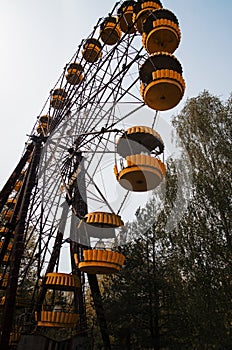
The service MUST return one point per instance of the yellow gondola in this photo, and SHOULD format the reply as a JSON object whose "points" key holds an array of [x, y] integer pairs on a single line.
{"points": [[8, 248], [92, 50], [142, 10], [141, 173], [8, 214], [2, 300], [11, 203], [4, 280], [45, 118], [110, 32], [62, 281], [125, 17], [19, 182], [43, 126], [139, 139], [18, 185], [97, 261], [100, 260], [103, 219], [161, 32], [58, 317], [99, 225], [74, 75], [162, 85], [3, 231], [6, 256], [58, 98]]}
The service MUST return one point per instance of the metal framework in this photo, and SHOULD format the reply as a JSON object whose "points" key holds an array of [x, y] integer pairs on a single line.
{"points": [[70, 173], [57, 193]]}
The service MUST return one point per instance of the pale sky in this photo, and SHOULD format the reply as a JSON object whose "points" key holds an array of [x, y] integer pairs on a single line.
{"points": [[38, 38]]}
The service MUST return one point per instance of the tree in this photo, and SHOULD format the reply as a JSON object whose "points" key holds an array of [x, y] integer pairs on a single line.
{"points": [[175, 289], [204, 125]]}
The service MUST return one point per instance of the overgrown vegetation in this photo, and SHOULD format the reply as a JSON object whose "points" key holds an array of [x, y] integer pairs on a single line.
{"points": [[175, 289]]}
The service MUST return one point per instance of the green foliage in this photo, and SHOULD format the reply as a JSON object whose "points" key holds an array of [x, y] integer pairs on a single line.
{"points": [[175, 289]]}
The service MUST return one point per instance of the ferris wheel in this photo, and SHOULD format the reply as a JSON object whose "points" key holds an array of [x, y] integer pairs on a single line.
{"points": [[92, 157]]}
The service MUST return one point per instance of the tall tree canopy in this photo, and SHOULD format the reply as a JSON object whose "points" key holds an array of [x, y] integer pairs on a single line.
{"points": [[175, 289]]}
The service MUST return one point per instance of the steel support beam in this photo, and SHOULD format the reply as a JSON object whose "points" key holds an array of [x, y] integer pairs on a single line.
{"points": [[18, 247]]}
